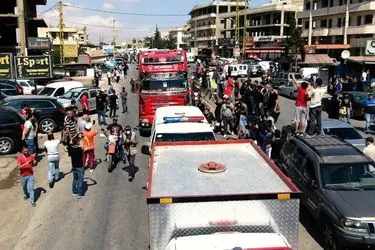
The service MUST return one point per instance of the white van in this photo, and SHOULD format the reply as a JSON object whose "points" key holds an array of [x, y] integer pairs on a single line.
{"points": [[180, 123], [59, 88], [240, 70], [308, 71]]}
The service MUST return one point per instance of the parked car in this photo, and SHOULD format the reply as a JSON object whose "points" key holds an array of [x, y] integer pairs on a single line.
{"points": [[59, 88], [2, 96], [255, 70], [28, 86], [50, 113], [337, 182], [282, 78], [76, 94], [11, 126], [289, 90], [10, 87], [344, 131], [331, 104]]}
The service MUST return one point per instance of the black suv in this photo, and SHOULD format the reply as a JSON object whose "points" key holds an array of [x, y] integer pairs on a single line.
{"points": [[11, 126], [50, 113], [338, 185]]}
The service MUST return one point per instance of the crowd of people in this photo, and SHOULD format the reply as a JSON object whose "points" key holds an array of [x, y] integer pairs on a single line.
{"points": [[78, 137]]}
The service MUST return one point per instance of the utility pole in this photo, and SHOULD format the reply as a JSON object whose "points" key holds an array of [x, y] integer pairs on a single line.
{"points": [[346, 22], [21, 27], [309, 40], [61, 27], [237, 25], [114, 33]]}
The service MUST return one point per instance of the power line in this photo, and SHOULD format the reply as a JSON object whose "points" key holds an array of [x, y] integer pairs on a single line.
{"points": [[125, 13], [48, 10], [119, 27]]}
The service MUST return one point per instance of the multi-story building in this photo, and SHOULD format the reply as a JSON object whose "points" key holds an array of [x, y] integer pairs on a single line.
{"points": [[74, 38], [261, 30], [181, 36], [331, 26], [205, 25], [9, 23]]}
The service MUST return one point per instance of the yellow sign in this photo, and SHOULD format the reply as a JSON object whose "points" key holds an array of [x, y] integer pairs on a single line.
{"points": [[70, 51]]}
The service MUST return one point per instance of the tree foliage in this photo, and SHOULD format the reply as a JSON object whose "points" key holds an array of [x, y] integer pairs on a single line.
{"points": [[158, 42], [294, 43]]}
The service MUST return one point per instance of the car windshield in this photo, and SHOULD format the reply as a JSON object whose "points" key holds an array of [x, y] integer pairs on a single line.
{"points": [[298, 77], [203, 136], [47, 91], [356, 176], [71, 95], [360, 96], [163, 85], [343, 133]]}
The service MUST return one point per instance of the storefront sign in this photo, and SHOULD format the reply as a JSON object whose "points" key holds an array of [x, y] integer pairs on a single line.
{"points": [[6, 62], [39, 43], [33, 67], [70, 51], [370, 47], [265, 39], [226, 42]]}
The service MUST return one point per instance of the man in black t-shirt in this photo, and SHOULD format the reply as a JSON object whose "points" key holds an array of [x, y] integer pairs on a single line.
{"points": [[76, 154], [277, 145], [114, 128], [101, 104]]}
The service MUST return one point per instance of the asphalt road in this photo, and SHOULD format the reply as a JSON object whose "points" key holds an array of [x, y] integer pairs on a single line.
{"points": [[113, 214]]}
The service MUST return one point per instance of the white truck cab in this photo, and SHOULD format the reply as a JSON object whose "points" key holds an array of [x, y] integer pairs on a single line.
{"points": [[180, 123]]}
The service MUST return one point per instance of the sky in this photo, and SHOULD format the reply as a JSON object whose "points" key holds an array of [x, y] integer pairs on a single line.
{"points": [[128, 27]]}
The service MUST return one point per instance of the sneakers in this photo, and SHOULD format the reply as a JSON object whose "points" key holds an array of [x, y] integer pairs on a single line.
{"points": [[91, 170], [33, 204], [25, 197], [50, 184], [130, 178], [79, 197]]}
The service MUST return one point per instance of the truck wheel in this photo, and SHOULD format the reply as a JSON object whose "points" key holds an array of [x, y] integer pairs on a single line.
{"points": [[330, 241]]}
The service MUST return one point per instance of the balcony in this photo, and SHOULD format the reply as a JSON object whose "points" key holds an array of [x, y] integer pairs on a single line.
{"points": [[338, 10], [204, 27], [206, 38], [193, 19], [339, 31]]}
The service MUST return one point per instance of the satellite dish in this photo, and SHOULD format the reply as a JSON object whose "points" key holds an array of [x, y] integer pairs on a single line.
{"points": [[345, 54]]}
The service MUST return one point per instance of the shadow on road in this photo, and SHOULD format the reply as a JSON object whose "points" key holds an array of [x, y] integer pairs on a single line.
{"points": [[311, 225], [38, 191], [87, 182]]}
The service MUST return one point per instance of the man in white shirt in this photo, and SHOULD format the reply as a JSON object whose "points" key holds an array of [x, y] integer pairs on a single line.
{"points": [[369, 150], [315, 113], [52, 148]]}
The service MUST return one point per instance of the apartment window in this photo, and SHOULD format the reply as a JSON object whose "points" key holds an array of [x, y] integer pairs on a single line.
{"points": [[330, 23], [324, 3], [339, 22], [368, 19], [306, 25], [323, 23], [299, 21], [308, 5], [341, 2], [359, 19], [331, 3], [315, 5], [313, 24]]}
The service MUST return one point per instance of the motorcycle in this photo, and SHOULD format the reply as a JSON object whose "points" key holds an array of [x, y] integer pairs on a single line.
{"points": [[113, 156]]}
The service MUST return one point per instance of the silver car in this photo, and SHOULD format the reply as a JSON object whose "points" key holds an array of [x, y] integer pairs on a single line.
{"points": [[288, 90], [343, 130]]}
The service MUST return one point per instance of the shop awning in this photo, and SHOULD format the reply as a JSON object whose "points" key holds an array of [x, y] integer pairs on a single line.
{"points": [[317, 59], [362, 59], [264, 51]]}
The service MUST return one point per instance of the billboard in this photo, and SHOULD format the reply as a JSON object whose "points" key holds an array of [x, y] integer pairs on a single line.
{"points": [[38, 43], [6, 62], [70, 50], [33, 67]]}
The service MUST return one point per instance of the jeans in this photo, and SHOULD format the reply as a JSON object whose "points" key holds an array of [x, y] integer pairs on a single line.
{"points": [[242, 124], [228, 121], [77, 185], [315, 120], [131, 159], [101, 117], [112, 112], [124, 106], [369, 119], [30, 145], [89, 154], [53, 170], [28, 187]]}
